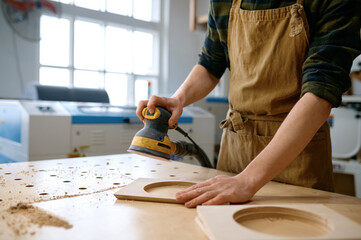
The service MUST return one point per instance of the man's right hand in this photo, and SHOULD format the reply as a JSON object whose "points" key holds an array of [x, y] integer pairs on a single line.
{"points": [[173, 105]]}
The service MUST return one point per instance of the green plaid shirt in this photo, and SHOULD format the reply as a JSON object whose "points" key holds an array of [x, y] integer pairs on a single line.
{"points": [[334, 42]]}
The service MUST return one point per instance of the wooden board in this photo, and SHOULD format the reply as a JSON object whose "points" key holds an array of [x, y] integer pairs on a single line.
{"points": [[287, 221], [80, 191], [153, 190]]}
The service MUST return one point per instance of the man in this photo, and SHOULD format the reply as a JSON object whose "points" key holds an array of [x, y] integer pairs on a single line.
{"points": [[289, 63]]}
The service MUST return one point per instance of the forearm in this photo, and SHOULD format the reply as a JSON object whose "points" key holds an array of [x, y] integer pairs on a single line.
{"points": [[297, 130], [198, 84]]}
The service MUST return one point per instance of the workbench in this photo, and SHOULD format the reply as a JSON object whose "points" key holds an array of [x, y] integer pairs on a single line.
{"points": [[79, 193]]}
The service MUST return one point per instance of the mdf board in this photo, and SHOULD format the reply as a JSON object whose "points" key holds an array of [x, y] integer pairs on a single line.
{"points": [[293, 221], [153, 190]]}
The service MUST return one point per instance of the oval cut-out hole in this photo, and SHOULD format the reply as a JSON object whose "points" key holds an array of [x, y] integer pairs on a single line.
{"points": [[29, 185], [116, 183], [17, 179], [66, 181], [43, 194], [82, 188]]}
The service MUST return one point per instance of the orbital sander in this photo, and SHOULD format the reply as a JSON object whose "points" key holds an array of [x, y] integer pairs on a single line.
{"points": [[152, 140]]}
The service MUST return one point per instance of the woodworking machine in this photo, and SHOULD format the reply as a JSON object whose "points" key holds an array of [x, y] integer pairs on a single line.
{"points": [[39, 130]]}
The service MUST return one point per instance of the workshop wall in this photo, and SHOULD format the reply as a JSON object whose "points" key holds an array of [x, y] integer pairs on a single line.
{"points": [[19, 58], [17, 62]]}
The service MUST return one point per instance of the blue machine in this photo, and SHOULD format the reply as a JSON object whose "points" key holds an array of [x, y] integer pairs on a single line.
{"points": [[39, 130]]}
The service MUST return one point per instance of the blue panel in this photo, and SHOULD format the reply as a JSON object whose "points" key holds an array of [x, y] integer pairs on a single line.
{"points": [[10, 122], [185, 118], [96, 114], [5, 159], [217, 100], [100, 114]]}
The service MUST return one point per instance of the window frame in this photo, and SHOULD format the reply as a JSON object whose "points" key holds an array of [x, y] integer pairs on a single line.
{"points": [[157, 28]]}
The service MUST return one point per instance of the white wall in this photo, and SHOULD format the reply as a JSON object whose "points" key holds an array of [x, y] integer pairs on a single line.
{"points": [[184, 45], [19, 66]]}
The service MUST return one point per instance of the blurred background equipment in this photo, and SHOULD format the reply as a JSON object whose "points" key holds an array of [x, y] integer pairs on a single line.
{"points": [[23, 17], [39, 130]]}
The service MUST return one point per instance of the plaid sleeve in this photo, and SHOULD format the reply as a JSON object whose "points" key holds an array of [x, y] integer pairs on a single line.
{"points": [[335, 42], [214, 51]]}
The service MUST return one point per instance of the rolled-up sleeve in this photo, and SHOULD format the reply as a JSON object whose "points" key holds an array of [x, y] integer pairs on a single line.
{"points": [[214, 51], [335, 42]]}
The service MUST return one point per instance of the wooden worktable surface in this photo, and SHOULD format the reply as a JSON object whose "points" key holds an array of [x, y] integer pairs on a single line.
{"points": [[80, 191]]}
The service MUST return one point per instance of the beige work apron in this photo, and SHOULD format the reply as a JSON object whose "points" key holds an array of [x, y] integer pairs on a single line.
{"points": [[267, 49]]}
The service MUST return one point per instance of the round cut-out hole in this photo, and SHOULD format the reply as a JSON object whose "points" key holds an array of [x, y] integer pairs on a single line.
{"points": [[285, 222]]}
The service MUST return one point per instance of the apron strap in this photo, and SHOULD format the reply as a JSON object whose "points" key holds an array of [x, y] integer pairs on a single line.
{"points": [[234, 119], [237, 4]]}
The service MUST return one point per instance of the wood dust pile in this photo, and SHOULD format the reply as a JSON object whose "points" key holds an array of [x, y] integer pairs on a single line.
{"points": [[23, 217]]}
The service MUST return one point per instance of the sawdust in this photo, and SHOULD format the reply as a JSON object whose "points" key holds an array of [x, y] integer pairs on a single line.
{"points": [[22, 219], [76, 195]]}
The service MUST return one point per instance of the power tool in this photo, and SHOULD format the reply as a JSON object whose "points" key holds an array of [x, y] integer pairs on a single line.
{"points": [[152, 140]]}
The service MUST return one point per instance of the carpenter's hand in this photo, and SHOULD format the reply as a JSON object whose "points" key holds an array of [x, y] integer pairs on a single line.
{"points": [[173, 105], [218, 190]]}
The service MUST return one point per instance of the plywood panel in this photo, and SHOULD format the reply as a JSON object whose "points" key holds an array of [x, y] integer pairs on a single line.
{"points": [[153, 190], [305, 221]]}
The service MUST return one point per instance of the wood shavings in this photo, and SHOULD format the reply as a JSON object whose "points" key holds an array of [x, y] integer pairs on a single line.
{"points": [[23, 218]]}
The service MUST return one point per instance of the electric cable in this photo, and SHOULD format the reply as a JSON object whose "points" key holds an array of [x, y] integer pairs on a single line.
{"points": [[199, 153]]}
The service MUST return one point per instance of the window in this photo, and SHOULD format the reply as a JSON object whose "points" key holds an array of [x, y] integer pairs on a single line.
{"points": [[107, 44]]}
